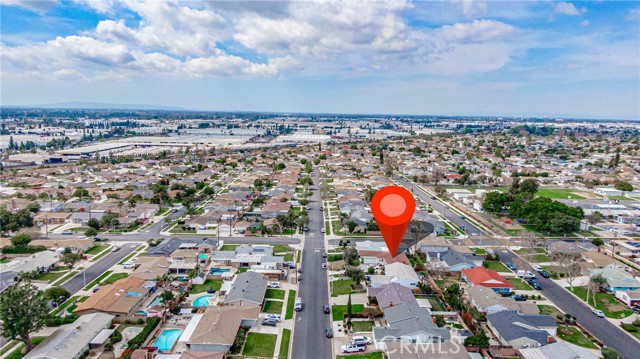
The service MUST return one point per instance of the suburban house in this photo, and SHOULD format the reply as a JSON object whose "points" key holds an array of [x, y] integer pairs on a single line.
{"points": [[248, 289], [75, 245], [150, 268], [381, 258], [168, 246], [486, 278], [121, 298], [407, 322], [215, 330], [402, 274], [184, 260], [629, 297], [74, 340], [522, 330], [40, 262], [445, 350], [392, 294], [487, 301], [452, 261], [558, 350], [617, 279]]}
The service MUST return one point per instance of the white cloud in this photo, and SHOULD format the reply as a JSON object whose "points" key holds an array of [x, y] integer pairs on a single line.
{"points": [[567, 8], [478, 31], [585, 23], [100, 6], [633, 15], [39, 6], [474, 8]]}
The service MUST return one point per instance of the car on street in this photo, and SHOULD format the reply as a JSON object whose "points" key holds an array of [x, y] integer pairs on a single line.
{"points": [[545, 274], [98, 239], [67, 232], [115, 249], [526, 274], [511, 266], [306, 228], [535, 284], [536, 267], [269, 322], [326, 309], [328, 332], [298, 305], [324, 265], [273, 285], [300, 270], [598, 312], [324, 254], [321, 208], [361, 339], [323, 230], [462, 217], [350, 348]]}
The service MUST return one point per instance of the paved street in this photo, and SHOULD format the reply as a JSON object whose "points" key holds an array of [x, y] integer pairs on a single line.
{"points": [[78, 282], [308, 337], [608, 333], [440, 207]]}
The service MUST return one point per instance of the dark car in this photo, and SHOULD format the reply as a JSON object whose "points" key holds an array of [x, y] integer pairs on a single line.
{"points": [[328, 332], [511, 266], [545, 274], [270, 322], [519, 297], [535, 284], [636, 309], [326, 309], [324, 254], [98, 239]]}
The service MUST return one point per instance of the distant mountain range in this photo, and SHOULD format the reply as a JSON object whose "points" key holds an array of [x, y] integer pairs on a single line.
{"points": [[101, 106]]}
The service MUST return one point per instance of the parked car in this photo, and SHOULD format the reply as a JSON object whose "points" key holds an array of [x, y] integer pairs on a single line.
{"points": [[129, 264], [462, 217], [535, 284], [298, 305], [519, 297], [306, 228], [511, 266], [326, 309], [275, 317], [269, 322], [361, 339], [350, 348], [98, 239], [115, 249], [526, 274], [300, 270], [324, 265], [323, 230], [536, 267], [328, 332], [598, 312], [636, 309], [545, 274], [273, 285], [95, 289], [67, 232], [324, 254]]}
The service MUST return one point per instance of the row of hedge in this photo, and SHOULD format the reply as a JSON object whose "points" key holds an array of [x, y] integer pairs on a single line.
{"points": [[23, 250], [139, 339]]}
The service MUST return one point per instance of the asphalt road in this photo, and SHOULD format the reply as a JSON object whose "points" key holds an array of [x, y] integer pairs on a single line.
{"points": [[78, 282], [601, 328], [441, 208], [308, 336]]}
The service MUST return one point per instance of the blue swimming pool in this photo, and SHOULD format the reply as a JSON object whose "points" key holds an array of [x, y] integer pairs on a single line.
{"points": [[156, 301], [166, 339], [202, 301], [219, 270]]}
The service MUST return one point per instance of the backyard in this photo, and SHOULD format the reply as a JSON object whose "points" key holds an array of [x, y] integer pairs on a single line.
{"points": [[208, 284], [260, 345], [338, 311]]}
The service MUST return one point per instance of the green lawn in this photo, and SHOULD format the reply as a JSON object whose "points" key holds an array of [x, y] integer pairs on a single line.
{"points": [[496, 266], [97, 280], [5, 260], [95, 249], [51, 276], [574, 335], [242, 270], [436, 305], [260, 345], [272, 306], [275, 294], [519, 284], [605, 302], [17, 353], [79, 229], [113, 278], [362, 326], [288, 257], [229, 247], [342, 287], [376, 355], [559, 193], [480, 251], [281, 248], [338, 311], [284, 343], [208, 284], [291, 301], [549, 310]]}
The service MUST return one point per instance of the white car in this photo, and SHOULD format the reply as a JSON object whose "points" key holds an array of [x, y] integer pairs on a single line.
{"points": [[323, 230], [129, 265], [350, 348], [361, 339], [273, 285], [598, 312], [275, 317]]}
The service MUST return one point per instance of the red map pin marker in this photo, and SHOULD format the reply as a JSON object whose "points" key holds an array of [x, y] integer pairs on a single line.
{"points": [[393, 208]]}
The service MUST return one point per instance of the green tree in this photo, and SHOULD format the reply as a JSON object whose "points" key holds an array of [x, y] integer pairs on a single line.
{"points": [[21, 240], [349, 308], [610, 353], [23, 310], [56, 294], [624, 186], [494, 202], [597, 242], [356, 274], [33, 207], [94, 223], [563, 223], [351, 225], [70, 259], [91, 232], [480, 340]]}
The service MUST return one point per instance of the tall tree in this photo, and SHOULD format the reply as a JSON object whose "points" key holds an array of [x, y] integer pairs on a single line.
{"points": [[23, 310]]}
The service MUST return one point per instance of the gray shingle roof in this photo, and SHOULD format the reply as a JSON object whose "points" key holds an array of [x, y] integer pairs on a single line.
{"points": [[511, 325], [248, 286], [408, 319]]}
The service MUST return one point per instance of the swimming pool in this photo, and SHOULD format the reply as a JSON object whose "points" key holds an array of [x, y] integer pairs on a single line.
{"points": [[202, 301], [219, 270], [166, 339], [156, 301]]}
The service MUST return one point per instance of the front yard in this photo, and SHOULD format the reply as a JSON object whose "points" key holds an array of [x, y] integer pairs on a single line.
{"points": [[496, 266], [574, 336], [519, 284], [342, 287], [272, 306], [260, 345], [362, 326], [275, 293], [338, 311], [605, 302]]}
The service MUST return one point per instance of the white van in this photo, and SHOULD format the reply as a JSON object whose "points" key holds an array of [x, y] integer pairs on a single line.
{"points": [[298, 306], [525, 274]]}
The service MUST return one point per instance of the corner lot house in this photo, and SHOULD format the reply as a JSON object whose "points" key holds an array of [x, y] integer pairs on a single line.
{"points": [[76, 339], [487, 278], [521, 330], [121, 298], [617, 279], [216, 328]]}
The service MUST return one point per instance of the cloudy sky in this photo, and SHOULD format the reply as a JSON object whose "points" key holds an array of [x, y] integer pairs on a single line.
{"points": [[456, 57]]}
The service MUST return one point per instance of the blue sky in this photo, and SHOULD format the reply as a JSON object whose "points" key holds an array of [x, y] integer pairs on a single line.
{"points": [[459, 57]]}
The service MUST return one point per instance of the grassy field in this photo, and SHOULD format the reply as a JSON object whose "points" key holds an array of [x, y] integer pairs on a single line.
{"points": [[362, 326], [95, 249], [288, 257], [275, 294], [574, 336], [519, 284], [260, 345], [284, 343], [436, 305], [549, 310], [338, 311], [17, 353], [496, 266], [342, 287], [281, 248], [229, 247], [113, 278], [51, 276], [291, 301], [559, 193], [272, 306], [605, 302], [208, 284], [376, 355]]}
